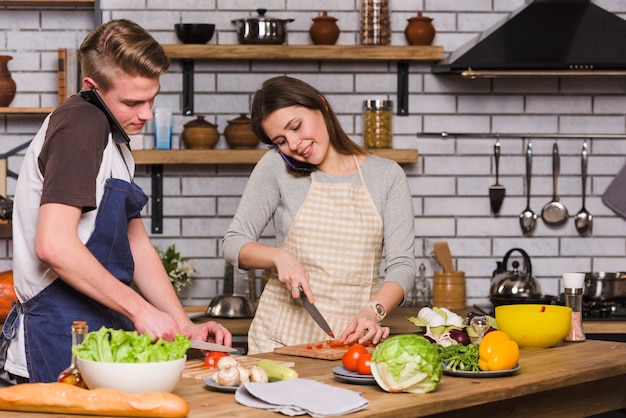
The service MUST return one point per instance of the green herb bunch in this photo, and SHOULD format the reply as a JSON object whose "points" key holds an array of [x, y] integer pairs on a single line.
{"points": [[177, 267]]}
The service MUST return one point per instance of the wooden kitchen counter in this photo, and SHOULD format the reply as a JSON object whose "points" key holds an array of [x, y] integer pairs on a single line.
{"points": [[398, 323], [571, 379]]}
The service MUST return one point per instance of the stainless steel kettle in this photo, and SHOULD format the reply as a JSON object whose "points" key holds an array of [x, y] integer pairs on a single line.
{"points": [[516, 282]]}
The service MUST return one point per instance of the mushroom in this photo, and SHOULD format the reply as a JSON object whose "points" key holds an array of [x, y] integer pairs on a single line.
{"points": [[257, 374]]}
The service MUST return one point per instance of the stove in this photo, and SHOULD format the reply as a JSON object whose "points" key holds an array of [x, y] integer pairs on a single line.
{"points": [[604, 310]]}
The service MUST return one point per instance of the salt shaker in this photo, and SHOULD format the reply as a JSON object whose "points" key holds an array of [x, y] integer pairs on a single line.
{"points": [[573, 284], [421, 289]]}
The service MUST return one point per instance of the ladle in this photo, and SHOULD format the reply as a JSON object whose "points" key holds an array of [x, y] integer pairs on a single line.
{"points": [[554, 213], [583, 219], [528, 218]]}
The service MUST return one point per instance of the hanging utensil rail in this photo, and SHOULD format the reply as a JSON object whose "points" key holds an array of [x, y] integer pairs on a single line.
{"points": [[523, 136]]}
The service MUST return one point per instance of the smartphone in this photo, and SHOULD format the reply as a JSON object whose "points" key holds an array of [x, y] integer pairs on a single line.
{"points": [[295, 165], [118, 133]]}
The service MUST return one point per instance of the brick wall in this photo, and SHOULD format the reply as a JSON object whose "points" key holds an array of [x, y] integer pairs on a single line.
{"points": [[449, 183]]}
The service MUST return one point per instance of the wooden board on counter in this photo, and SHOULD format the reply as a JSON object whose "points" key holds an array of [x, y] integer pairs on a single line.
{"points": [[194, 369], [311, 351]]}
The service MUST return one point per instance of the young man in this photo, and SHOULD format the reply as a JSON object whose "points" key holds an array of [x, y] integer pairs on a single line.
{"points": [[78, 237]]}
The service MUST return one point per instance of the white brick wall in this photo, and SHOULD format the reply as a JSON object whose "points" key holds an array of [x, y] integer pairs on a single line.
{"points": [[451, 179]]}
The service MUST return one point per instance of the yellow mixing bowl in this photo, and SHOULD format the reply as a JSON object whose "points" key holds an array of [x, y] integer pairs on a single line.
{"points": [[534, 325]]}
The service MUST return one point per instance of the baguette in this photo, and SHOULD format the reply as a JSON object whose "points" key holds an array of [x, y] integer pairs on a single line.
{"points": [[62, 398]]}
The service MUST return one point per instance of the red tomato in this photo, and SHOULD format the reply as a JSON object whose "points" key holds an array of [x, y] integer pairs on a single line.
{"points": [[364, 364], [212, 358], [349, 359]]}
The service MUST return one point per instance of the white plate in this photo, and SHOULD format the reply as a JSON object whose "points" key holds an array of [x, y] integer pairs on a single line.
{"points": [[346, 375], [219, 388], [497, 373]]}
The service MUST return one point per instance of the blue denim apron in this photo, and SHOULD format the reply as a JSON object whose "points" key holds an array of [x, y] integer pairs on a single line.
{"points": [[49, 315]]}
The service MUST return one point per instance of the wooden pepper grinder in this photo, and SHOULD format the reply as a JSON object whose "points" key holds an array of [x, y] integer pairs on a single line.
{"points": [[420, 30]]}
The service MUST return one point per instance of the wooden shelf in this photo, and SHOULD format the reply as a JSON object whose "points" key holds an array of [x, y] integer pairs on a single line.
{"points": [[305, 52], [6, 230], [26, 110], [90, 4], [251, 156]]}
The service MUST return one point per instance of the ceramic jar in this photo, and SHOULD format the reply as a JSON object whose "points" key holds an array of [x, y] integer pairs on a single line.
{"points": [[239, 134], [7, 85], [420, 30], [324, 30], [200, 134]]}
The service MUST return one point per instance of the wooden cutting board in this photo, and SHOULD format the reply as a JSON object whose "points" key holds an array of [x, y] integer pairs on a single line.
{"points": [[310, 350], [194, 369]]}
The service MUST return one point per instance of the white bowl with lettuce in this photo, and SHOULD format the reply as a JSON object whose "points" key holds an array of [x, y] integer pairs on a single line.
{"points": [[131, 362]]}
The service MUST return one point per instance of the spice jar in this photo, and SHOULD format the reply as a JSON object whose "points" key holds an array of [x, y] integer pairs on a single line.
{"points": [[375, 22], [573, 283], [377, 131]]}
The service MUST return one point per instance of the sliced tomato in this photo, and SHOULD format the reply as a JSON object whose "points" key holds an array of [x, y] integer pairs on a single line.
{"points": [[364, 364], [350, 358], [212, 358]]}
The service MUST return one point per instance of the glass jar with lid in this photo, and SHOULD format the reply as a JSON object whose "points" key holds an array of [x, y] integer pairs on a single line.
{"points": [[377, 129], [375, 22]]}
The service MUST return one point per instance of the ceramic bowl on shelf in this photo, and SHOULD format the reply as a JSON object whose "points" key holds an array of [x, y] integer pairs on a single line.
{"points": [[194, 33], [534, 325]]}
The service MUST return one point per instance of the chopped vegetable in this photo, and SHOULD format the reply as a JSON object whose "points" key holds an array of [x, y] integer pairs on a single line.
{"points": [[498, 352], [276, 371], [212, 358], [407, 363], [120, 346], [460, 357]]}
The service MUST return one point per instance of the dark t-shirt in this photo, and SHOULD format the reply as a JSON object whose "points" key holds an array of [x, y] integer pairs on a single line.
{"points": [[72, 153]]}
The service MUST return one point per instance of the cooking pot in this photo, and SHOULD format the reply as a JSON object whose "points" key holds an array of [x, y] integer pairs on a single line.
{"points": [[261, 29], [605, 286], [516, 285]]}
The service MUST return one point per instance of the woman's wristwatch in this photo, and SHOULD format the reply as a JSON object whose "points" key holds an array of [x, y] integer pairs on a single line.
{"points": [[379, 310]]}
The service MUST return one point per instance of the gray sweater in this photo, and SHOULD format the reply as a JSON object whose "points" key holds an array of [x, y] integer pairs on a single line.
{"points": [[273, 194]]}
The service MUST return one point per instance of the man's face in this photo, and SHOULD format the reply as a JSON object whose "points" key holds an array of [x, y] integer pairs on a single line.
{"points": [[130, 100]]}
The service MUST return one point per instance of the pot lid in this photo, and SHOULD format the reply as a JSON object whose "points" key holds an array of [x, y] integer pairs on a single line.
{"points": [[261, 18], [324, 17], [242, 119], [199, 122]]}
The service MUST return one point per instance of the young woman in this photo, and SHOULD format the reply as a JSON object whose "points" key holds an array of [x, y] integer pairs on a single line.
{"points": [[333, 208]]}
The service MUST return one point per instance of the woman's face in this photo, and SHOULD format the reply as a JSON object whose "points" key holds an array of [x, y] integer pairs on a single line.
{"points": [[299, 132]]}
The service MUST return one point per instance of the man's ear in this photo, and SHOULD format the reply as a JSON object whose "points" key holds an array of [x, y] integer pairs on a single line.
{"points": [[88, 83]]}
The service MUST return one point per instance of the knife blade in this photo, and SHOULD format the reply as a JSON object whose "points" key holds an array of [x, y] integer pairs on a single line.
{"points": [[315, 313], [203, 345]]}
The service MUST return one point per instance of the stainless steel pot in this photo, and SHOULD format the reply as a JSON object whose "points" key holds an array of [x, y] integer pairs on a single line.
{"points": [[261, 29], [605, 286]]}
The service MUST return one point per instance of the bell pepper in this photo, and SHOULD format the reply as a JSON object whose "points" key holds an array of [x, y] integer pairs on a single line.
{"points": [[497, 352]]}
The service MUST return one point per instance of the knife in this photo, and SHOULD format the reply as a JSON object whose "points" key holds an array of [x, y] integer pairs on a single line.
{"points": [[202, 345], [315, 313]]}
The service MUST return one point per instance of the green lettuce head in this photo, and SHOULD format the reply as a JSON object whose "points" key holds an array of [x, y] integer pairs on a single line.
{"points": [[407, 363]]}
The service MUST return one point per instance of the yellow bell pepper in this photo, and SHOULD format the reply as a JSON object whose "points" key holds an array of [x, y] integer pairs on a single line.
{"points": [[497, 352]]}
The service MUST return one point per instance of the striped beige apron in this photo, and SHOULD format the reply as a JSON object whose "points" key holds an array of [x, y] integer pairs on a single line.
{"points": [[337, 236]]}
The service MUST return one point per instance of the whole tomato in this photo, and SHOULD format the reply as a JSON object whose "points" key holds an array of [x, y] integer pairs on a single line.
{"points": [[212, 358], [350, 357], [364, 364]]}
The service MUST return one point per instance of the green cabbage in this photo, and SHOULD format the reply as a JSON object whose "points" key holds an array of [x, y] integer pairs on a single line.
{"points": [[119, 346], [407, 363]]}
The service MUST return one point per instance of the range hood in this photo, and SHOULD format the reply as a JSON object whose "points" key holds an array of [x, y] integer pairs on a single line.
{"points": [[545, 38]]}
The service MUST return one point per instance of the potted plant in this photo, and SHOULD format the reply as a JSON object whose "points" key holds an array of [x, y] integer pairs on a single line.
{"points": [[177, 267]]}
